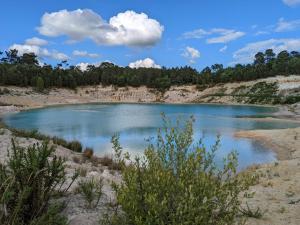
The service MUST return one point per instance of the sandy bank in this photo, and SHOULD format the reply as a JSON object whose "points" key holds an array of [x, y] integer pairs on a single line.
{"points": [[277, 193]]}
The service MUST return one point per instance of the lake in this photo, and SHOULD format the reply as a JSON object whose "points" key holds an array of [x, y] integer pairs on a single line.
{"points": [[94, 124]]}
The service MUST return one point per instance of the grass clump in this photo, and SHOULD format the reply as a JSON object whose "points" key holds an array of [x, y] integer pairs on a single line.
{"points": [[75, 146], [88, 153], [247, 211], [176, 182], [91, 190], [72, 145], [31, 177]]}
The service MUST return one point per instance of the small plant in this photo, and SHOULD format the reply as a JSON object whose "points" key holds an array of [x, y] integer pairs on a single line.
{"points": [[257, 213], [91, 190], [88, 153], [76, 159], [75, 146], [28, 181], [82, 172]]}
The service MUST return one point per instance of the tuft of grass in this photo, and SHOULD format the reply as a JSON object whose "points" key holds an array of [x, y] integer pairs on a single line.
{"points": [[88, 153], [110, 163], [257, 213], [72, 145], [75, 146], [91, 190]]}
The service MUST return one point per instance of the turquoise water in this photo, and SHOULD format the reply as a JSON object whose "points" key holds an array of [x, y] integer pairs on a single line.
{"points": [[94, 124]]}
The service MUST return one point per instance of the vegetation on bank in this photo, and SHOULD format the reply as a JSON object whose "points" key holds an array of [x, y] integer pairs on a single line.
{"points": [[28, 182], [72, 145], [25, 70], [259, 93], [176, 182]]}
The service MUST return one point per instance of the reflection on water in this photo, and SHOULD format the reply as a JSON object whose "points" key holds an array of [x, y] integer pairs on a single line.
{"points": [[94, 124]]}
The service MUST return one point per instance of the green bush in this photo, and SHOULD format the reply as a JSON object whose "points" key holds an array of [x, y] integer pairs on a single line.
{"points": [[28, 181], [177, 182], [40, 84], [91, 190], [88, 153], [75, 146], [291, 99]]}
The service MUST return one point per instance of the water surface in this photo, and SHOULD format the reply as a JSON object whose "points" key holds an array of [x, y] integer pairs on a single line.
{"points": [[94, 124]]}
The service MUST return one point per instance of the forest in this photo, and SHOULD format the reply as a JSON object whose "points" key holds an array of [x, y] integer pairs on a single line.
{"points": [[25, 70]]}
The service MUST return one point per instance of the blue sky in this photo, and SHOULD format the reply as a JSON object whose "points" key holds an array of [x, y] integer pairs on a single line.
{"points": [[169, 32]]}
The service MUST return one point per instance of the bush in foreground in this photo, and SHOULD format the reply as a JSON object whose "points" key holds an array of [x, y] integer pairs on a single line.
{"points": [[28, 181], [176, 182]]}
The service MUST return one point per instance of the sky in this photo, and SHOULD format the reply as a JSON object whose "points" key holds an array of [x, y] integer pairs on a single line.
{"points": [[149, 33]]}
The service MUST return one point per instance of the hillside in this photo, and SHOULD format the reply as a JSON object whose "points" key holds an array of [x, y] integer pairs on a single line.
{"points": [[267, 91]]}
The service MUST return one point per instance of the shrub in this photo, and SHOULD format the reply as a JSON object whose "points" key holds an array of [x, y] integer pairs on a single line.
{"points": [[40, 84], [27, 183], [91, 190], [88, 153], [177, 182], [110, 162], [257, 213], [75, 146]]}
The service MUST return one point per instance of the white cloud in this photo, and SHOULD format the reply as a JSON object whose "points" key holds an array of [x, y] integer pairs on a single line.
{"points": [[36, 41], [39, 51], [225, 35], [246, 54], [196, 34], [284, 25], [291, 2], [191, 54], [145, 63], [223, 49], [261, 32], [83, 65], [85, 54], [128, 28]]}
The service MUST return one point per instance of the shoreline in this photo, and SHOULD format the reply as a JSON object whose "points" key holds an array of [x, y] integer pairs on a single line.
{"points": [[279, 182]]}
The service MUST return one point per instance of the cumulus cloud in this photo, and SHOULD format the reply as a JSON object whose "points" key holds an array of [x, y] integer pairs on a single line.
{"points": [[144, 63], [247, 53], [284, 25], [36, 41], [85, 54], [191, 54], [41, 52], [128, 28], [224, 35], [291, 2]]}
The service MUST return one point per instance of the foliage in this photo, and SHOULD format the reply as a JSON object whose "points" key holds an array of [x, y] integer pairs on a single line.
{"points": [[40, 84], [257, 213], [91, 190], [73, 145], [28, 182], [88, 153], [4, 91], [176, 182], [23, 70]]}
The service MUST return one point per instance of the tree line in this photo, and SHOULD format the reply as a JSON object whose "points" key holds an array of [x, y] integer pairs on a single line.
{"points": [[25, 70]]}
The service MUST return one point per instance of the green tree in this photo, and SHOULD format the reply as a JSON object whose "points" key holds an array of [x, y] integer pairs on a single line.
{"points": [[40, 84]]}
